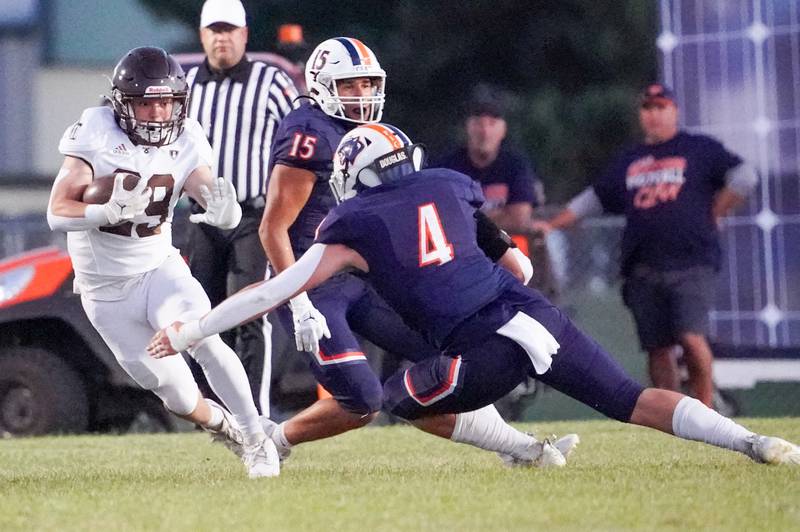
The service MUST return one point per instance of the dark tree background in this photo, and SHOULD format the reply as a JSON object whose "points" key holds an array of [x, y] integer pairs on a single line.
{"points": [[569, 69]]}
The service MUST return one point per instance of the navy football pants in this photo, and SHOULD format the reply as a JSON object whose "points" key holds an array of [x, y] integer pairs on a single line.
{"points": [[483, 374], [351, 306]]}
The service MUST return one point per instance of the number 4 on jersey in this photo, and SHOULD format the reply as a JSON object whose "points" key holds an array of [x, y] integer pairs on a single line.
{"points": [[433, 245]]}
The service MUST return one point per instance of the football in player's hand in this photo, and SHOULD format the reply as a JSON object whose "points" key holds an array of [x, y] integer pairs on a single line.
{"points": [[100, 189]]}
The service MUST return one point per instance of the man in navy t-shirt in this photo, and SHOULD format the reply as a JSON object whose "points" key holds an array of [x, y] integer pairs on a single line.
{"points": [[673, 188], [507, 178], [411, 233]]}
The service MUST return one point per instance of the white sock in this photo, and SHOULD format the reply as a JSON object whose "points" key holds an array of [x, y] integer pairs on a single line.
{"points": [[279, 436], [692, 420], [484, 428], [227, 378], [215, 423]]}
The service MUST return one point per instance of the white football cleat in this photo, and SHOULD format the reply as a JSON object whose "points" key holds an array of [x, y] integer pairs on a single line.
{"points": [[772, 450], [545, 453], [261, 459], [566, 444], [228, 434], [269, 427]]}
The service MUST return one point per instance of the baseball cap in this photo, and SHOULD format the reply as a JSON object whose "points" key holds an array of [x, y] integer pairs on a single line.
{"points": [[486, 101], [227, 11], [656, 93]]}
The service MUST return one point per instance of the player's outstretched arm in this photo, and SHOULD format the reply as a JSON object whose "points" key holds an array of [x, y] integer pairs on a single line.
{"points": [[316, 266]]}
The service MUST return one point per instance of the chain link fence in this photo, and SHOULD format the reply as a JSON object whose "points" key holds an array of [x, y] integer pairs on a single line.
{"points": [[579, 270]]}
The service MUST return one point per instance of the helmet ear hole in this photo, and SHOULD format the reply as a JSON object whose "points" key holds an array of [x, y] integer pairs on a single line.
{"points": [[368, 177]]}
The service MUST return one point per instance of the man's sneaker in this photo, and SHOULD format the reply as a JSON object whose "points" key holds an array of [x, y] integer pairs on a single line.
{"points": [[261, 459], [550, 452], [771, 450], [269, 427], [228, 434]]}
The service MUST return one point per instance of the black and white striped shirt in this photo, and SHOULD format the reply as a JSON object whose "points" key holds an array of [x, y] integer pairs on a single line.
{"points": [[239, 110]]}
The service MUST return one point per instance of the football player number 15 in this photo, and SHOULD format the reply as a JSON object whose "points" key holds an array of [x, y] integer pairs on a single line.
{"points": [[433, 245], [302, 146]]}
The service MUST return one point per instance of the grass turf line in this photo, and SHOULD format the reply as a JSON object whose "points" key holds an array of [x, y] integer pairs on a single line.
{"points": [[395, 478]]}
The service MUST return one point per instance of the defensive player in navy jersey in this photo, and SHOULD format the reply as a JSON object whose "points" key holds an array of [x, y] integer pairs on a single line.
{"points": [[672, 189], [346, 88], [411, 233]]}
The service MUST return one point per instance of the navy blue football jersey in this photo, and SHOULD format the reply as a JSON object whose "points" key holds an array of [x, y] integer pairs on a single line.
{"points": [[307, 139], [418, 237]]}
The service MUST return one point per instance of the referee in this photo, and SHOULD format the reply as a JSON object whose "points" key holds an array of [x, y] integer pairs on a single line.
{"points": [[239, 104]]}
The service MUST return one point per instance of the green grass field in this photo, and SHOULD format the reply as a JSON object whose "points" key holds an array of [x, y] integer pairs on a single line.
{"points": [[395, 478]]}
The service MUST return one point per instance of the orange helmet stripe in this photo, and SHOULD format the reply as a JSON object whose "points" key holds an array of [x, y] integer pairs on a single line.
{"points": [[363, 51], [387, 133]]}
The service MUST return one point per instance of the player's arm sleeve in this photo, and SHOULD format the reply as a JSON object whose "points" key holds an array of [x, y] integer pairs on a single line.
{"points": [[256, 300], [80, 142], [304, 148], [84, 138], [491, 239], [586, 204]]}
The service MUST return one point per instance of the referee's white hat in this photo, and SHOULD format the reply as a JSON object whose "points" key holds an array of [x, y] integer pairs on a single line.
{"points": [[227, 11]]}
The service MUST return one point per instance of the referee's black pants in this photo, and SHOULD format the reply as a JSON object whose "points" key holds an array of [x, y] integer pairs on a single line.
{"points": [[225, 261]]}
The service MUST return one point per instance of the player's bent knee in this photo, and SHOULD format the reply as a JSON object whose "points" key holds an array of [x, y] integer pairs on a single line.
{"points": [[177, 400], [175, 388], [396, 400], [365, 403]]}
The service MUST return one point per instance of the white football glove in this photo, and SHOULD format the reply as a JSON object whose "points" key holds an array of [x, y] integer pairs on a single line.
{"points": [[222, 209], [309, 324], [126, 204]]}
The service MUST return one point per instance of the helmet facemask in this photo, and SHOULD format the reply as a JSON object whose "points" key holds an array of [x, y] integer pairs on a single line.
{"points": [[149, 73], [339, 59], [144, 132], [370, 107]]}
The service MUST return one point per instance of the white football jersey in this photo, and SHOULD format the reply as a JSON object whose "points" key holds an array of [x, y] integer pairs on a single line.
{"points": [[108, 255]]}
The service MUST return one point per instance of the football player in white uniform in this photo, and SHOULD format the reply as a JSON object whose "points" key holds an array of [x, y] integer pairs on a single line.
{"points": [[131, 279]]}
